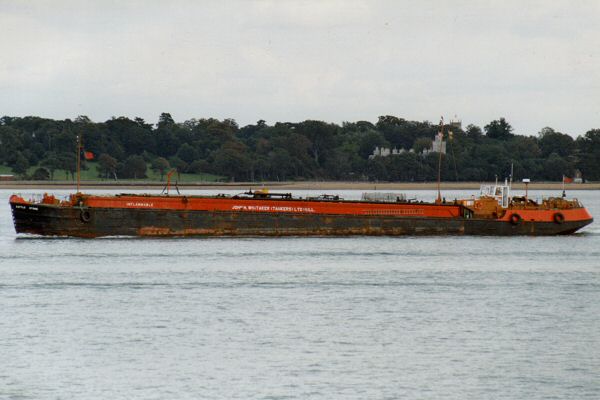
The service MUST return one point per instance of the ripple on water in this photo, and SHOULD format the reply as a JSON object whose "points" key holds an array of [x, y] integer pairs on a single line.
{"points": [[224, 318]]}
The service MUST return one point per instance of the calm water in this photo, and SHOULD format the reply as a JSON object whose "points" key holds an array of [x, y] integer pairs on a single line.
{"points": [[298, 318]]}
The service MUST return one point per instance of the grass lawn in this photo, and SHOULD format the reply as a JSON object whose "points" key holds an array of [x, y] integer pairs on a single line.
{"points": [[4, 170], [91, 174]]}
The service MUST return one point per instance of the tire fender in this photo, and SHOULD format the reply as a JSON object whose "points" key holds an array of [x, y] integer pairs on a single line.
{"points": [[85, 216], [515, 219], [559, 218]]}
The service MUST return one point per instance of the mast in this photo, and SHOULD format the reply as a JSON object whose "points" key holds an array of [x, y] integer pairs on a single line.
{"points": [[441, 136], [512, 170], [78, 161]]}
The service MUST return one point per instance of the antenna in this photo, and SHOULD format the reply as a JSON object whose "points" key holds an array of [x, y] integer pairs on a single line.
{"points": [[512, 165]]}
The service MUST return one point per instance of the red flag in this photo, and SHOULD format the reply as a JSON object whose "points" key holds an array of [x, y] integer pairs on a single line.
{"points": [[88, 155], [566, 179]]}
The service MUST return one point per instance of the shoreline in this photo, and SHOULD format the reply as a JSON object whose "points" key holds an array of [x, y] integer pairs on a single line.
{"points": [[306, 185]]}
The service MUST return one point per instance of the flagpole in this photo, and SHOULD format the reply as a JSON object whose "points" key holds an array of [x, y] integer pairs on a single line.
{"points": [[78, 161]]}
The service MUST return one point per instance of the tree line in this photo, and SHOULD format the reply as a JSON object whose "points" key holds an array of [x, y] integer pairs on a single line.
{"points": [[125, 148]]}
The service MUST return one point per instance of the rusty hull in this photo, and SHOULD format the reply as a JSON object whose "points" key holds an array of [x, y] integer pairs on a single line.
{"points": [[54, 220]]}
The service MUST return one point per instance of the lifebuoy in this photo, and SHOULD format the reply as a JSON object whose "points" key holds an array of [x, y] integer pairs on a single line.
{"points": [[559, 218], [515, 219], [85, 216]]}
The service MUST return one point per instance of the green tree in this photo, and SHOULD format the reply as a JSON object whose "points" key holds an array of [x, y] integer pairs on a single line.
{"points": [[474, 132], [51, 163], [231, 162], [65, 142], [40, 174], [401, 133], [198, 166], [132, 137], [280, 164], [10, 143], [339, 165], [165, 120], [589, 147], [303, 150], [498, 129], [20, 165], [555, 142], [523, 147], [403, 167], [68, 162], [555, 167], [369, 140], [179, 165], [187, 153], [160, 165], [377, 170], [422, 143], [107, 166], [134, 167], [321, 136]]}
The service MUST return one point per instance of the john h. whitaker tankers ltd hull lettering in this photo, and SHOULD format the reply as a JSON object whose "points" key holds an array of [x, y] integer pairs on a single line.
{"points": [[264, 214]]}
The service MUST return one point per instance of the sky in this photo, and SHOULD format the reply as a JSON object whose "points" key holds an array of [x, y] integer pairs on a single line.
{"points": [[536, 64]]}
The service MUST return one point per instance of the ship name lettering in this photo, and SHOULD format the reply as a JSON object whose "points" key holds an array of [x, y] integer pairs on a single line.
{"points": [[273, 208], [138, 204]]}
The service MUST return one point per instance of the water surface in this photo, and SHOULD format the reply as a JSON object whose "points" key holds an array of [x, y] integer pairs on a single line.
{"points": [[297, 318]]}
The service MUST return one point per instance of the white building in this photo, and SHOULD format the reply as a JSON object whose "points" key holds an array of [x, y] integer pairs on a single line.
{"points": [[386, 152], [436, 146]]}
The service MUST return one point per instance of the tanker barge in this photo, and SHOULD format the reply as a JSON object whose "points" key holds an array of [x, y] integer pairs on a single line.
{"points": [[259, 213]]}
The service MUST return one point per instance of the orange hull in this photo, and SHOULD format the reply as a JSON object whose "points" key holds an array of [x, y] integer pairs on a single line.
{"points": [[273, 206], [162, 215], [573, 214]]}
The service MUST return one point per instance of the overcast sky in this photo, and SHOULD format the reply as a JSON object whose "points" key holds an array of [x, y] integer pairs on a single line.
{"points": [[535, 63]]}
